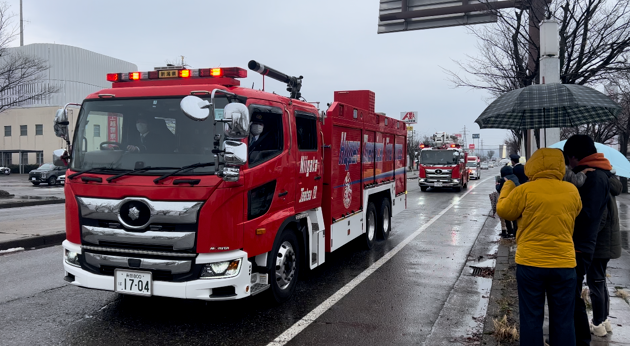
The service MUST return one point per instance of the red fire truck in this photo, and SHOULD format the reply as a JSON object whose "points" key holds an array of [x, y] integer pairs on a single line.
{"points": [[443, 166], [183, 184]]}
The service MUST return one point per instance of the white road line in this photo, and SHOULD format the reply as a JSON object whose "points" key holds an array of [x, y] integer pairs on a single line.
{"points": [[300, 325]]}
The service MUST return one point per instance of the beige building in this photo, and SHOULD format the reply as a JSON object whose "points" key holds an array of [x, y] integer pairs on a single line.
{"points": [[27, 131]]}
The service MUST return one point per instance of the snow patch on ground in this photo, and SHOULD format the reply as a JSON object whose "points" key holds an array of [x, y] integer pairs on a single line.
{"points": [[15, 249]]}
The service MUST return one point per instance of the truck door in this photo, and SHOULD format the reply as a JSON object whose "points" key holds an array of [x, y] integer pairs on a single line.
{"points": [[309, 161]]}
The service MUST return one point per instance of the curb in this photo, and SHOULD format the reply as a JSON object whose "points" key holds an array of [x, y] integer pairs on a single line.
{"points": [[31, 203], [35, 242]]}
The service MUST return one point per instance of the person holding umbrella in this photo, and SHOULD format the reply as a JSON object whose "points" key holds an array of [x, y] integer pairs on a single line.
{"points": [[546, 208], [581, 153]]}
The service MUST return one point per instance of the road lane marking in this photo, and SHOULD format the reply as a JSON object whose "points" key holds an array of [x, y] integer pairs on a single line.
{"points": [[306, 321]]}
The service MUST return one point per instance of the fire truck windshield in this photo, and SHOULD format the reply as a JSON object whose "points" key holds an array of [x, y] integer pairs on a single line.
{"points": [[439, 157], [129, 134]]}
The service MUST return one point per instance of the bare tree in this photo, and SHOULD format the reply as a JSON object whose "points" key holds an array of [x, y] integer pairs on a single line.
{"points": [[513, 143], [490, 154], [594, 41], [21, 75]]}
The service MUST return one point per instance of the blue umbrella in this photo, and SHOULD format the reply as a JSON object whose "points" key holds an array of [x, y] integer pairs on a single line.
{"points": [[620, 164]]}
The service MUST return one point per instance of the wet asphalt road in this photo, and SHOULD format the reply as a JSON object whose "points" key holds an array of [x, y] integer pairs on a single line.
{"points": [[398, 304]]}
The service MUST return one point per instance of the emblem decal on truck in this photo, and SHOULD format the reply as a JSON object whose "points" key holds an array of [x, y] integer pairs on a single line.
{"points": [[134, 213], [308, 166], [347, 191], [348, 151]]}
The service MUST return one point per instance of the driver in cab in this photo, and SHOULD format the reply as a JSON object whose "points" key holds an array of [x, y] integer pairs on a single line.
{"points": [[154, 137]]}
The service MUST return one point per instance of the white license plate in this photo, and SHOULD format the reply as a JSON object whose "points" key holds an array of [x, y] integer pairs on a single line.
{"points": [[33, 178], [133, 282], [437, 184]]}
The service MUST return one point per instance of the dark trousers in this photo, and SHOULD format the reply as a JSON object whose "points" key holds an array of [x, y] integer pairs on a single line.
{"points": [[596, 279], [580, 318], [559, 286]]}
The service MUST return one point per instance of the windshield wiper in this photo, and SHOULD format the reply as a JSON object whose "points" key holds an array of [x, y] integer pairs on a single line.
{"points": [[143, 169], [183, 169], [90, 170]]}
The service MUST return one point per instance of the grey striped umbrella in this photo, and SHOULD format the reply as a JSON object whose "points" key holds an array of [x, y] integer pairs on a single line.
{"points": [[548, 105]]}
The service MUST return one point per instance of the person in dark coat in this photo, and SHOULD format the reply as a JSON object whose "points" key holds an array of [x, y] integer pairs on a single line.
{"points": [[581, 153], [154, 137], [508, 228], [519, 169], [607, 247]]}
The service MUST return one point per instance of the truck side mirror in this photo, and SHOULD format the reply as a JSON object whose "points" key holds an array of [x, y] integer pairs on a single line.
{"points": [[195, 107], [236, 118], [235, 153], [60, 158], [61, 124]]}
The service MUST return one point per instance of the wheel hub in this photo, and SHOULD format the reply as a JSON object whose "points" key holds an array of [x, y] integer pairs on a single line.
{"points": [[285, 265], [371, 225]]}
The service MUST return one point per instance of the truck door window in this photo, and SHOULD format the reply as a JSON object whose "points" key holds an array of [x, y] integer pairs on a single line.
{"points": [[266, 134], [306, 130]]}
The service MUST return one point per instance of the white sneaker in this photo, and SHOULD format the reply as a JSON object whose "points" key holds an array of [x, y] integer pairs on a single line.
{"points": [[607, 325], [598, 330]]}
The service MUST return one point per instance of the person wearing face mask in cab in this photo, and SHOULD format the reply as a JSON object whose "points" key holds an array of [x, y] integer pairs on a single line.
{"points": [[154, 137]]}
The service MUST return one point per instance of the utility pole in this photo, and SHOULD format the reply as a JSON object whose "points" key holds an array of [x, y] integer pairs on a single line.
{"points": [[465, 147], [21, 26]]}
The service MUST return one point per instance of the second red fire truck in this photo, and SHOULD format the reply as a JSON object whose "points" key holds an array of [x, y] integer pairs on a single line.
{"points": [[202, 189], [443, 166]]}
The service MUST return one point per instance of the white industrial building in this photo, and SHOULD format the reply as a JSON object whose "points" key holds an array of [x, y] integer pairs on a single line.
{"points": [[28, 136]]}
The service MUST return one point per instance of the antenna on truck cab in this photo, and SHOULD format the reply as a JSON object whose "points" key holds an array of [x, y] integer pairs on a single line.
{"points": [[294, 84]]}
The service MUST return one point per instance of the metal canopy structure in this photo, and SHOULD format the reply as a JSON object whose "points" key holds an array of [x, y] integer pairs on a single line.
{"points": [[406, 15]]}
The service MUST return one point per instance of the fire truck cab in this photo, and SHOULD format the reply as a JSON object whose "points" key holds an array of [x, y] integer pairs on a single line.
{"points": [[183, 184]]}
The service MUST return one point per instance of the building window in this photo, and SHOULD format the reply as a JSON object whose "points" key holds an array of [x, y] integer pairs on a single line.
{"points": [[7, 131], [7, 159], [23, 130], [39, 130], [40, 157], [97, 130], [24, 158]]}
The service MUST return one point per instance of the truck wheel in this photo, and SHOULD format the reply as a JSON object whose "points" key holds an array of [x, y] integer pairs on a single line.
{"points": [[370, 225], [423, 188], [285, 268], [385, 218], [52, 180], [458, 188]]}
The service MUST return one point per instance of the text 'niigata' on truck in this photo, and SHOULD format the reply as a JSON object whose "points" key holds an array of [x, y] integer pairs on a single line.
{"points": [[200, 189]]}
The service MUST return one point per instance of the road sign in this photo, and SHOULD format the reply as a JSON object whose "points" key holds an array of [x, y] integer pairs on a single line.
{"points": [[471, 146], [475, 136], [409, 117], [409, 128], [427, 14]]}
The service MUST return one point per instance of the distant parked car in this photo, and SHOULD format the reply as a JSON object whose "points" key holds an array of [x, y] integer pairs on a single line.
{"points": [[46, 173], [5, 170], [61, 179]]}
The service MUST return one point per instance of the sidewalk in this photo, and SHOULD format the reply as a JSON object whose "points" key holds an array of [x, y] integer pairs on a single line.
{"points": [[504, 297]]}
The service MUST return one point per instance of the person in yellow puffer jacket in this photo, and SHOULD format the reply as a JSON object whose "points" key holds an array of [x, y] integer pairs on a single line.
{"points": [[546, 208]]}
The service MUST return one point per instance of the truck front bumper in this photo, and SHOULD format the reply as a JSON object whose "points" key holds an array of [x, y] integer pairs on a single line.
{"points": [[452, 183], [194, 289]]}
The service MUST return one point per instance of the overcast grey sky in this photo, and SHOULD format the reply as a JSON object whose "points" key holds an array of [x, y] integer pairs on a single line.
{"points": [[332, 43]]}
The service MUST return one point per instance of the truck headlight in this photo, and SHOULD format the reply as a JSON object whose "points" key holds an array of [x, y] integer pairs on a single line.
{"points": [[225, 269], [421, 180], [456, 180], [72, 258], [43, 175]]}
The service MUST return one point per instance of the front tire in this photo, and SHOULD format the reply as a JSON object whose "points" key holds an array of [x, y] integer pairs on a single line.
{"points": [[385, 224], [52, 181], [36, 184], [370, 226], [423, 188], [285, 267]]}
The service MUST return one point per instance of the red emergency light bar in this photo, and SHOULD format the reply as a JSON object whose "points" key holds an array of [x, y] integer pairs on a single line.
{"points": [[224, 72]]}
